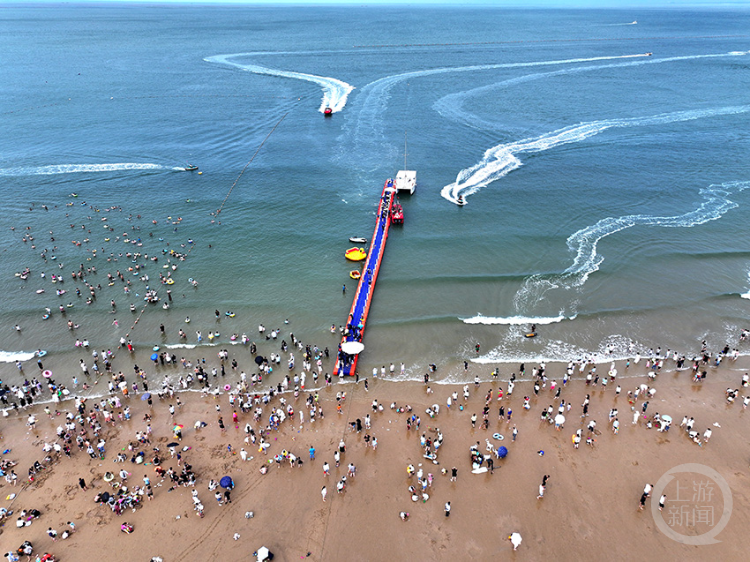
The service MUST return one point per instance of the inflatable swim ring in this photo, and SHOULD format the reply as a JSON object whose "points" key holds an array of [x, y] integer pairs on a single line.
{"points": [[355, 274], [355, 254], [498, 437], [169, 281]]}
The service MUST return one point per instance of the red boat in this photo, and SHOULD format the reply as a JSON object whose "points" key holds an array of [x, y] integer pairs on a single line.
{"points": [[397, 213], [328, 112]]}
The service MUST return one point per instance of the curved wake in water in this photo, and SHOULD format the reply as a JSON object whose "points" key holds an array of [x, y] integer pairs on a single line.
{"points": [[501, 159], [583, 243], [369, 128], [335, 92], [80, 168]]}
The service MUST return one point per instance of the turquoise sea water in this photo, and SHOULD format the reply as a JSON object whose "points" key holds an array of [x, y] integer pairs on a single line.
{"points": [[606, 189]]}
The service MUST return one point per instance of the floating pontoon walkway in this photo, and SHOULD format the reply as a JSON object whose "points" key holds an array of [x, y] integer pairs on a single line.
{"points": [[346, 363]]}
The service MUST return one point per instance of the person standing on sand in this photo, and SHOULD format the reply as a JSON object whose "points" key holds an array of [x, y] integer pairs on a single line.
{"points": [[447, 509], [454, 474], [82, 484], [515, 539], [515, 432], [662, 501], [324, 492]]}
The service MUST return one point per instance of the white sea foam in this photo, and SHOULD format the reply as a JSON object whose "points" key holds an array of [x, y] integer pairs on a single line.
{"points": [[181, 346], [335, 92], [746, 295], [81, 168], [513, 320], [13, 356]]}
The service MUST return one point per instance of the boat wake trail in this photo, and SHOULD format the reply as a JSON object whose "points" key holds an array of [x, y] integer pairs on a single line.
{"points": [[80, 168], [583, 243], [501, 159], [335, 92], [367, 133]]}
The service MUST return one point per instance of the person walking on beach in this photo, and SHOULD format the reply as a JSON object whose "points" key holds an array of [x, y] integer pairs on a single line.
{"points": [[454, 474], [543, 487], [324, 492], [515, 433], [82, 484], [447, 509], [662, 501]]}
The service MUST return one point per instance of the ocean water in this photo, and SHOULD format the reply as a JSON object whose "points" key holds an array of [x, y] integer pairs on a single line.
{"points": [[606, 189]]}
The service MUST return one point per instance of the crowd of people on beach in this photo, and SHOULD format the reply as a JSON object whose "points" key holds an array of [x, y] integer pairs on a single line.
{"points": [[268, 404]]}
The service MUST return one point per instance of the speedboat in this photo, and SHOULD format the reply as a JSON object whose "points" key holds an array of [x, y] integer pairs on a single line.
{"points": [[191, 168], [328, 112], [358, 240], [355, 254], [397, 214], [649, 54]]}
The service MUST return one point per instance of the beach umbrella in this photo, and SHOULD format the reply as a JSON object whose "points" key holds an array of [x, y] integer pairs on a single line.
{"points": [[47, 374], [226, 482], [145, 396], [105, 496], [173, 444], [154, 356], [667, 419], [123, 384], [259, 360], [559, 419], [352, 347], [177, 427], [502, 452]]}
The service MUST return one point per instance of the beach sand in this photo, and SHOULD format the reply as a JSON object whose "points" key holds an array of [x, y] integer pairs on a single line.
{"points": [[589, 511]]}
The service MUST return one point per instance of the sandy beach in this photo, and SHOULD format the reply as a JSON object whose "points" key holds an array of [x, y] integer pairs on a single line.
{"points": [[590, 504]]}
